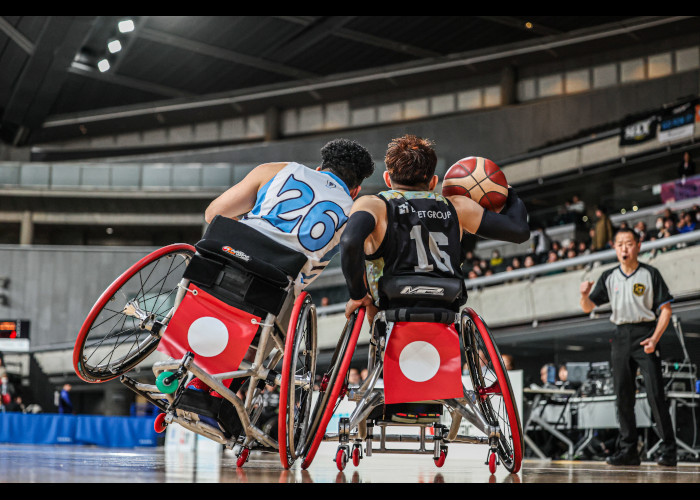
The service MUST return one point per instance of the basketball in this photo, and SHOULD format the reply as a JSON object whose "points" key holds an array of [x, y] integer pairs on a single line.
{"points": [[479, 179]]}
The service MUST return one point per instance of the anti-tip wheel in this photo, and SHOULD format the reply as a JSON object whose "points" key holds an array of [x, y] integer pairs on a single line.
{"points": [[341, 459]]}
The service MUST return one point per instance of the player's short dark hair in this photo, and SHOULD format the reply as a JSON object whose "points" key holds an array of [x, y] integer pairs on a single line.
{"points": [[348, 160], [410, 160], [634, 233]]}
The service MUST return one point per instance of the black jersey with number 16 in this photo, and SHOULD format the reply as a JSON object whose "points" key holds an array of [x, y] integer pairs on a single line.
{"points": [[419, 260]]}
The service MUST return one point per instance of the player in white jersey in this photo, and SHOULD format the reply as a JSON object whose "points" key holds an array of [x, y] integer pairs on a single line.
{"points": [[299, 207]]}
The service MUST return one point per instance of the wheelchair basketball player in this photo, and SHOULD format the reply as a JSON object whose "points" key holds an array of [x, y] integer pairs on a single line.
{"points": [[410, 232], [303, 209]]}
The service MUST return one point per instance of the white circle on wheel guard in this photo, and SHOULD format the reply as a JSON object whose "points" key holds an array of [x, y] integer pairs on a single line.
{"points": [[419, 361], [207, 336]]}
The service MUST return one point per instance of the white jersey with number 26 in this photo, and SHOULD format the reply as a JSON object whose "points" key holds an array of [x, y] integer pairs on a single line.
{"points": [[306, 210]]}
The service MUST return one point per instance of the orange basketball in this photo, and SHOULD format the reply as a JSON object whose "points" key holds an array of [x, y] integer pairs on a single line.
{"points": [[479, 179]]}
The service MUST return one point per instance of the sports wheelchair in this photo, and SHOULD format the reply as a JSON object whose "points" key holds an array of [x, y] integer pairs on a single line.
{"points": [[268, 339], [487, 403]]}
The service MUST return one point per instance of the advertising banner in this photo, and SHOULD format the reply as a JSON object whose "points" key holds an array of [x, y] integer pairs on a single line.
{"points": [[637, 131], [677, 122]]}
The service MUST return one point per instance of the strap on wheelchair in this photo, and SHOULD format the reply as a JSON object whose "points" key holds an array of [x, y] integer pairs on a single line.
{"points": [[421, 315], [259, 254], [234, 285]]}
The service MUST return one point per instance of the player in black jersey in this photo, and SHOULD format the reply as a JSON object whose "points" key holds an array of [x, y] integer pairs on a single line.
{"points": [[401, 248]]}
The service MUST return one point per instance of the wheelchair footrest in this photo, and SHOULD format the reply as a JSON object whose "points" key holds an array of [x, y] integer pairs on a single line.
{"points": [[419, 413], [205, 405]]}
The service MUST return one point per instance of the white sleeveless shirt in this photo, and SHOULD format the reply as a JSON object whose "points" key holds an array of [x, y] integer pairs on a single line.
{"points": [[306, 210]]}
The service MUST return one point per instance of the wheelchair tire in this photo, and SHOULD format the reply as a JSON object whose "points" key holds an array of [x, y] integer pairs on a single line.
{"points": [[334, 381], [299, 361], [111, 342], [493, 388]]}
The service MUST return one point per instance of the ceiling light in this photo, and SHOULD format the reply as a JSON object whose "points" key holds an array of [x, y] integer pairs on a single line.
{"points": [[114, 46], [126, 26], [623, 211], [103, 65], [528, 25]]}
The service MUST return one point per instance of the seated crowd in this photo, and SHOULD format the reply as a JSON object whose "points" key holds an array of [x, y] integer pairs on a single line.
{"points": [[667, 224]]}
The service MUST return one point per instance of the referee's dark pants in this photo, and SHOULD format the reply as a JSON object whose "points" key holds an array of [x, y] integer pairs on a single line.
{"points": [[627, 354]]}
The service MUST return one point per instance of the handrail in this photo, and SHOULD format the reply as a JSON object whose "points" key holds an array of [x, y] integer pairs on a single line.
{"points": [[604, 256]]}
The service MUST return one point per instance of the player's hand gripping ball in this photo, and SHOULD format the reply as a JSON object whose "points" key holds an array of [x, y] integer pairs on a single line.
{"points": [[479, 179]]}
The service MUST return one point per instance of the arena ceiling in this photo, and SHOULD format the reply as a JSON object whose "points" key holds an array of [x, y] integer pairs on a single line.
{"points": [[180, 69]]}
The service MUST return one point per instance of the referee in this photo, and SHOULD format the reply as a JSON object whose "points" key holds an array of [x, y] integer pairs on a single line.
{"points": [[641, 310]]}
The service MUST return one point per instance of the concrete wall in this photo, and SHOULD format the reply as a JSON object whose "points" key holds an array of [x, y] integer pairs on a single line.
{"points": [[55, 287], [497, 133]]}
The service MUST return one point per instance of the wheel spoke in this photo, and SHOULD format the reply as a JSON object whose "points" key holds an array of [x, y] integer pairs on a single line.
{"points": [[115, 340]]}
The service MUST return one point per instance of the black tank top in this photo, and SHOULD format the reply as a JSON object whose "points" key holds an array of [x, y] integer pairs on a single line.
{"points": [[422, 239]]}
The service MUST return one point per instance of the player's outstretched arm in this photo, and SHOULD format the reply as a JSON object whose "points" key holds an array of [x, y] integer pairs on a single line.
{"points": [[240, 199], [508, 225], [358, 231]]}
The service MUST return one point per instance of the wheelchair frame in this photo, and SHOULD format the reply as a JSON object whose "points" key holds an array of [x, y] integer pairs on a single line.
{"points": [[261, 371], [354, 430]]}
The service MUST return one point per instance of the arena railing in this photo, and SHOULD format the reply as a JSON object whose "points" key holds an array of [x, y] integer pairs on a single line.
{"points": [[602, 257]]}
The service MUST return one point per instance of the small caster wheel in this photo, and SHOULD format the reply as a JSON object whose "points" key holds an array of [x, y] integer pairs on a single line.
{"points": [[341, 459], [159, 424], [492, 463], [163, 385], [439, 462], [356, 456], [242, 457]]}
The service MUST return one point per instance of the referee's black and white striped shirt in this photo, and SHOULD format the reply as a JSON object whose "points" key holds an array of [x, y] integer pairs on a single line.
{"points": [[635, 298]]}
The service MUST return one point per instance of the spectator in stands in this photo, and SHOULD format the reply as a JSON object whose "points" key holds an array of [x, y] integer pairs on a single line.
{"points": [[541, 244], [556, 248], [497, 262], [582, 248], [571, 254], [484, 265], [65, 405], [469, 258], [472, 274], [477, 269], [687, 223], [562, 377], [696, 211], [668, 229], [686, 168], [364, 373], [548, 376], [603, 235], [354, 377], [508, 361], [3, 370], [529, 261], [641, 229], [16, 405], [668, 214], [516, 264], [552, 256], [577, 209], [7, 390]]}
